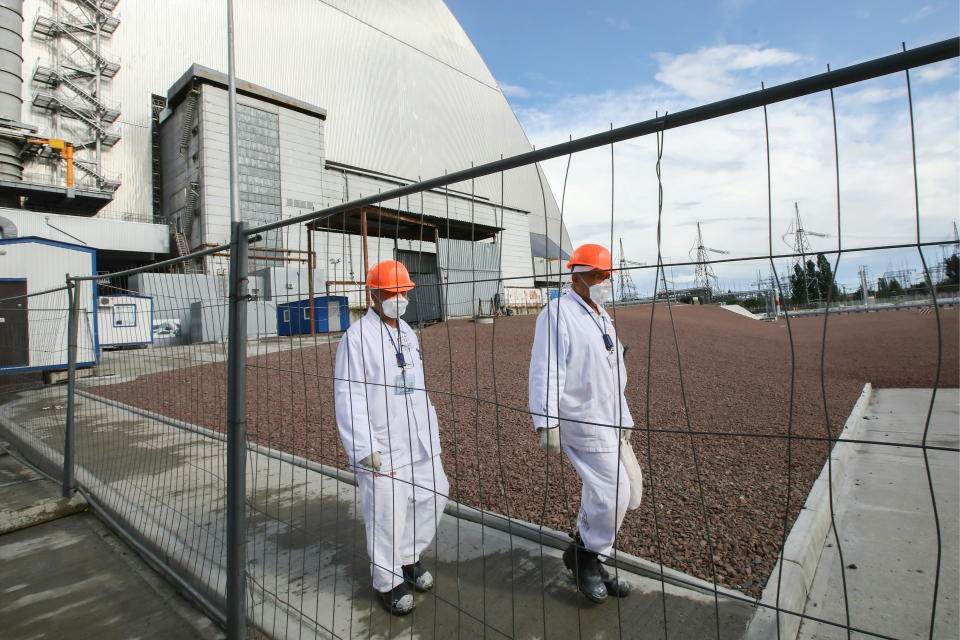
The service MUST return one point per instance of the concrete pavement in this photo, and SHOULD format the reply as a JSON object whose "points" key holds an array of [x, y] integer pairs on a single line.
{"points": [[64, 575], [887, 532]]}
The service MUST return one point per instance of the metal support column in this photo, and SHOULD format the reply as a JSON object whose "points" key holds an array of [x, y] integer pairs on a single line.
{"points": [[237, 435], [310, 266], [70, 432]]}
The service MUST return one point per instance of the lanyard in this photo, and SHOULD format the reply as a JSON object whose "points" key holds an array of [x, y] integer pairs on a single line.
{"points": [[607, 340], [401, 361]]}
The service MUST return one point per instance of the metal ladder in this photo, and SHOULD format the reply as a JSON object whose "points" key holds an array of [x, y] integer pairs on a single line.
{"points": [[183, 249], [49, 27], [190, 112], [53, 77]]}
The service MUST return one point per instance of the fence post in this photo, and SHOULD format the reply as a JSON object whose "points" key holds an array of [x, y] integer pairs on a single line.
{"points": [[69, 436], [237, 435]]}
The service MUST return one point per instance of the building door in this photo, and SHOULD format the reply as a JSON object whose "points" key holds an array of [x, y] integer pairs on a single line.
{"points": [[425, 298], [14, 335]]}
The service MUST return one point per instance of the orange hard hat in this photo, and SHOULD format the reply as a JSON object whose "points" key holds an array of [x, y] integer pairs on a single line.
{"points": [[390, 275], [591, 255]]}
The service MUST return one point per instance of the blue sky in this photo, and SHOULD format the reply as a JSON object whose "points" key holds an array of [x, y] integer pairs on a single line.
{"points": [[547, 49], [573, 68]]}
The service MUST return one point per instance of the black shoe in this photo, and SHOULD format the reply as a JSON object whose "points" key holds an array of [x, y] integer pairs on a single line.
{"points": [[399, 600], [586, 571], [419, 577], [615, 586]]}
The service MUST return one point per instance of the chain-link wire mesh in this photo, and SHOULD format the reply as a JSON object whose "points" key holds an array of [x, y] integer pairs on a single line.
{"points": [[742, 428]]}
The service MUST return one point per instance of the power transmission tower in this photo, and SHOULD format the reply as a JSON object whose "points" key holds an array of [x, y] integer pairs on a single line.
{"points": [[796, 239], [704, 273], [626, 289]]}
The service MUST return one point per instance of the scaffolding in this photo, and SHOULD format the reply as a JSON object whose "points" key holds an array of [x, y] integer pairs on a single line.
{"points": [[71, 84]]}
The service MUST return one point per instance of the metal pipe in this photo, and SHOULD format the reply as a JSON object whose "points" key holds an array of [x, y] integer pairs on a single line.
{"points": [[310, 263], [237, 436], [928, 54], [163, 263], [69, 435], [11, 84], [68, 156], [366, 257], [232, 118]]}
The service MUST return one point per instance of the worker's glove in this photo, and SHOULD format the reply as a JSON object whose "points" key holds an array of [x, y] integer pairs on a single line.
{"points": [[550, 440], [629, 461], [372, 461]]}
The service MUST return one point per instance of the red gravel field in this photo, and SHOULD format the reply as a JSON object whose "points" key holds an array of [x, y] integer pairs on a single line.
{"points": [[740, 378]]}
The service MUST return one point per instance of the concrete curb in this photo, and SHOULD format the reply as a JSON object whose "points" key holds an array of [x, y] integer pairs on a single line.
{"points": [[794, 572], [40, 512]]}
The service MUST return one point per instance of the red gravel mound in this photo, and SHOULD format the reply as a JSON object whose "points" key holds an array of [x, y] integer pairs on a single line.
{"points": [[736, 380]]}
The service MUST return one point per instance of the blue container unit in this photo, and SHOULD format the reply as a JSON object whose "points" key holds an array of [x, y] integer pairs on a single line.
{"points": [[331, 313]]}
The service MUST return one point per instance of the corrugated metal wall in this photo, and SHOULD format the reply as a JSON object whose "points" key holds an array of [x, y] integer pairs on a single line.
{"points": [[471, 273], [425, 299]]}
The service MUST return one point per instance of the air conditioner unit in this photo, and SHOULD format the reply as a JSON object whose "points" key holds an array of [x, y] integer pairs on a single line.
{"points": [[105, 301]]}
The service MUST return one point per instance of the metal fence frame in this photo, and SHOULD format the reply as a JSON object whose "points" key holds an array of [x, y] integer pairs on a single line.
{"points": [[234, 616]]}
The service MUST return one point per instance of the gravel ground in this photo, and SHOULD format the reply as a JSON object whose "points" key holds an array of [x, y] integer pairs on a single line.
{"points": [[714, 505]]}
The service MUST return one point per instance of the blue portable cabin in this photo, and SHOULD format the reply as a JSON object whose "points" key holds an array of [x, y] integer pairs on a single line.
{"points": [[331, 313]]}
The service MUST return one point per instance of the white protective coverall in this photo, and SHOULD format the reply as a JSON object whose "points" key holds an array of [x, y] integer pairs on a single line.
{"points": [[381, 407], [576, 383]]}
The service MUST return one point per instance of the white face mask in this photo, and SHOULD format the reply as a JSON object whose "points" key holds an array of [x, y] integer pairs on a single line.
{"points": [[601, 293], [394, 307]]}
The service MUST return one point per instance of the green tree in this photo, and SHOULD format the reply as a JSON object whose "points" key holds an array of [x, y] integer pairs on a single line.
{"points": [[798, 288], [826, 286], [951, 268]]}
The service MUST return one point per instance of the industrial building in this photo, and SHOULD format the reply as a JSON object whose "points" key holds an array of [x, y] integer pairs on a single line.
{"points": [[114, 135]]}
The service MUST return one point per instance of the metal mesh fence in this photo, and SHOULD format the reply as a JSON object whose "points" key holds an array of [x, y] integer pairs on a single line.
{"points": [[227, 424]]}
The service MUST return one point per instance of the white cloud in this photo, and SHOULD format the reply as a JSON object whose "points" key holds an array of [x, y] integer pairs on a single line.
{"points": [[619, 23], [515, 91], [875, 95], [919, 14], [716, 172], [712, 72], [938, 71]]}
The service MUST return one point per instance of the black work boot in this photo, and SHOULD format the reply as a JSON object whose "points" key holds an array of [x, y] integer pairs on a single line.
{"points": [[399, 600], [615, 586], [586, 570], [418, 576]]}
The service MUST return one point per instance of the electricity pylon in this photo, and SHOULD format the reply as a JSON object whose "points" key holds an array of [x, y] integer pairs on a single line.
{"points": [[796, 239], [704, 273], [626, 289]]}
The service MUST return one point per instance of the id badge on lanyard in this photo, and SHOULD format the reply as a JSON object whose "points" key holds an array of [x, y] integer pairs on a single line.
{"points": [[403, 384], [612, 359]]}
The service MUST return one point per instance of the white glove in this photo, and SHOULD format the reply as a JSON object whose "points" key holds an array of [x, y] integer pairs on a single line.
{"points": [[550, 440], [634, 473], [372, 461]]}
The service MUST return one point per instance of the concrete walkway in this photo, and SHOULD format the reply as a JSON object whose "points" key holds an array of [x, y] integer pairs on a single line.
{"points": [[307, 563], [887, 531], [64, 575]]}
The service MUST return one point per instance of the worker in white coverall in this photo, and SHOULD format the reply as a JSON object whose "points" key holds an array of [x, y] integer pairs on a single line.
{"points": [[389, 430], [577, 378]]}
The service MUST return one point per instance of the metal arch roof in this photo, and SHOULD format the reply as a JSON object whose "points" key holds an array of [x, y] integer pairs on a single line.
{"points": [[406, 94]]}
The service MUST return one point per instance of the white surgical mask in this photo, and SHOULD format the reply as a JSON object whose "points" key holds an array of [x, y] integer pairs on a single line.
{"points": [[395, 306], [601, 293]]}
